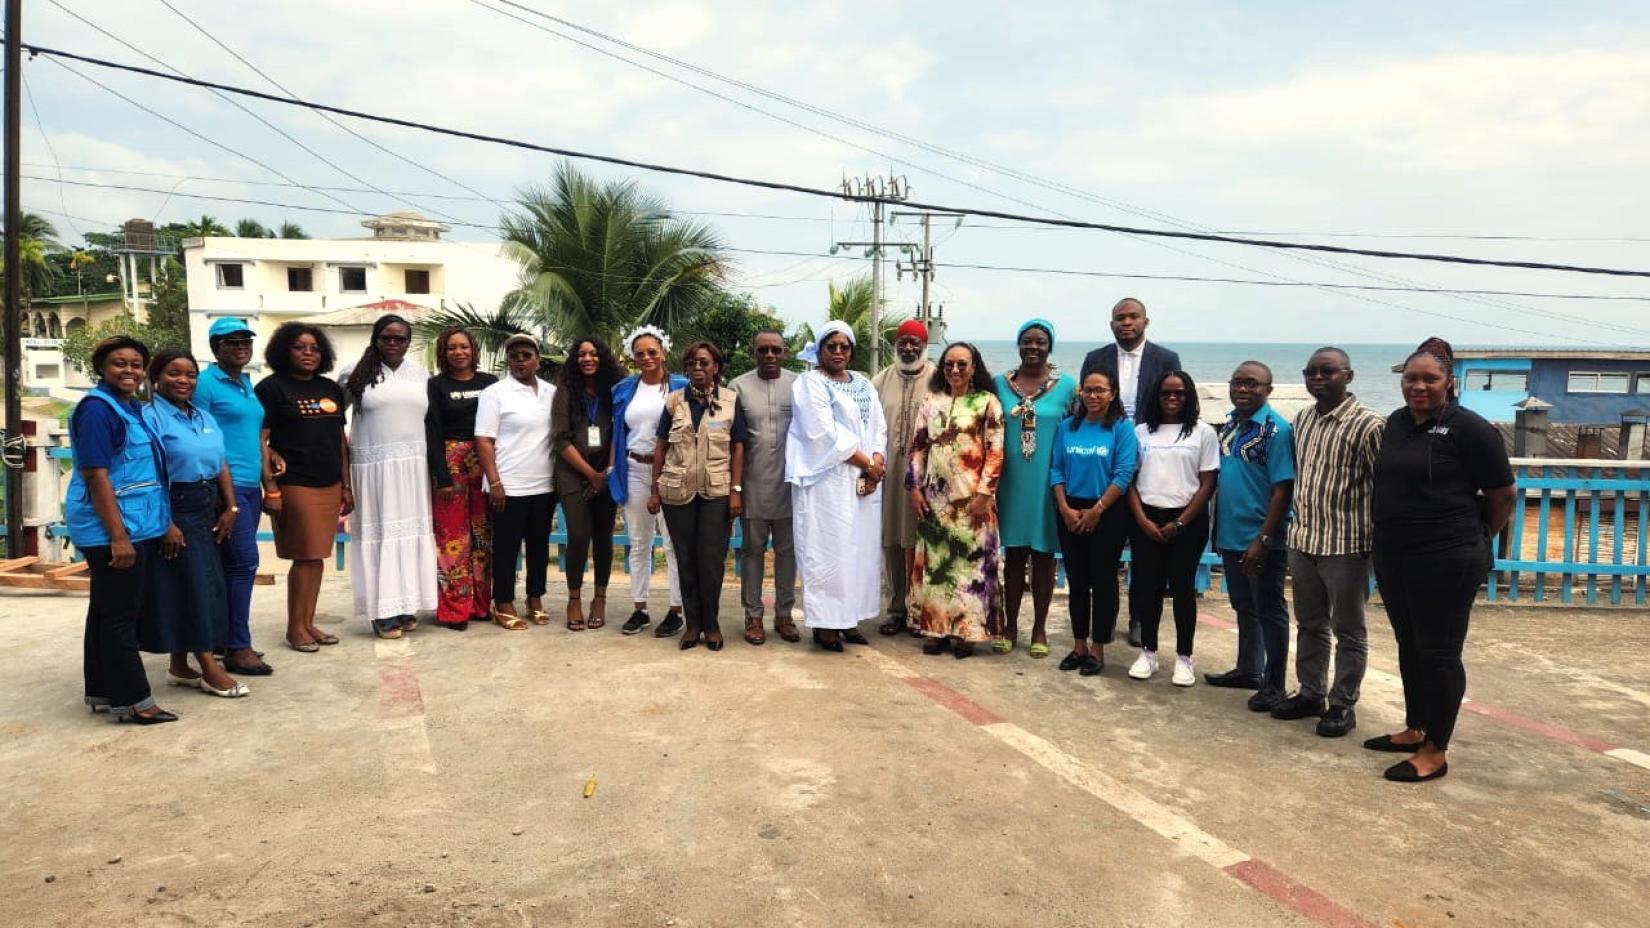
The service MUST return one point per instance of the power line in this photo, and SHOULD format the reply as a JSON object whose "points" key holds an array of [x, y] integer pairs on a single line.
{"points": [[40, 126], [831, 194], [327, 116]]}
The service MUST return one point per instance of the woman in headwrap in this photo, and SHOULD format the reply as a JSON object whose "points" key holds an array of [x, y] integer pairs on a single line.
{"points": [[1443, 487], [835, 464], [1035, 397]]}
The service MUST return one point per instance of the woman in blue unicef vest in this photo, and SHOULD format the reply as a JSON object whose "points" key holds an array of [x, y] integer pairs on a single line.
{"points": [[117, 511], [189, 592]]}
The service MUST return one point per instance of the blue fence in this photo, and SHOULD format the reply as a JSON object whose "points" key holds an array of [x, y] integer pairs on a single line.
{"points": [[1579, 524]]}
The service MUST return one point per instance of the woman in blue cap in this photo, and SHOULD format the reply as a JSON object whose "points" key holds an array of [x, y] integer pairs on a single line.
{"points": [[1035, 397]]}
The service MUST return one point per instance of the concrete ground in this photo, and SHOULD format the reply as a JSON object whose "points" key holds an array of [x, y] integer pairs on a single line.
{"points": [[439, 780]]}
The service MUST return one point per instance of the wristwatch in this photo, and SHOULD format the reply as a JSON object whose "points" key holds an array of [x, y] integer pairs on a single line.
{"points": [[738, 488], [1178, 524], [1266, 539]]}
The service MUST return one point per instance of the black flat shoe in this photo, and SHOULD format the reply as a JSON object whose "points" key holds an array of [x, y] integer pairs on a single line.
{"points": [[1300, 707], [960, 651], [1337, 722], [688, 643], [891, 627], [1266, 701], [934, 646], [1071, 662], [156, 719], [1385, 744], [854, 636], [1405, 772], [1232, 679], [1089, 665], [670, 626], [258, 670], [714, 644], [457, 626]]}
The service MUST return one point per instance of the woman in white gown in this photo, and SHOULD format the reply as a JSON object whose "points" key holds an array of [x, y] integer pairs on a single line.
{"points": [[834, 464], [392, 544]]}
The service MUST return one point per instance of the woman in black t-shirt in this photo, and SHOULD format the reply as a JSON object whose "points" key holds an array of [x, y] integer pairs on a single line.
{"points": [[304, 423], [1432, 548], [463, 538]]}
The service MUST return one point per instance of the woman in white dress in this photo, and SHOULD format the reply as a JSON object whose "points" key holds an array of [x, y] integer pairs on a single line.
{"points": [[834, 464], [392, 542]]}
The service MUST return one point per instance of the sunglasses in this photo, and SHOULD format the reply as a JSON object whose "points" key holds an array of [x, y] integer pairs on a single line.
{"points": [[957, 365], [522, 355], [394, 339], [837, 347], [769, 349], [245, 342], [1246, 384], [306, 348], [1172, 393]]}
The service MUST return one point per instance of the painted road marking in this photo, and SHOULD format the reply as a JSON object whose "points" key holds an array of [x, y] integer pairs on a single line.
{"points": [[1505, 716], [405, 736], [1167, 823]]}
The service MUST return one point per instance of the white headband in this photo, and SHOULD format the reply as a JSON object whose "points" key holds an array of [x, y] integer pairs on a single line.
{"points": [[641, 330]]}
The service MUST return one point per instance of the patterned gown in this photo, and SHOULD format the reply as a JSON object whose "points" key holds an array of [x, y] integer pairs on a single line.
{"points": [[957, 451]]}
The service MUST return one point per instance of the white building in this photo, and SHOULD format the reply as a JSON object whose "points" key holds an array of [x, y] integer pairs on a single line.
{"points": [[271, 281]]}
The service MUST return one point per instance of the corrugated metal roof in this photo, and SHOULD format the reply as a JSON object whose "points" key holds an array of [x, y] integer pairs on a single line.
{"points": [[368, 314]]}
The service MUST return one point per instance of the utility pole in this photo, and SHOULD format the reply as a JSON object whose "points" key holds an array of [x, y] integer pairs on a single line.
{"points": [[922, 268], [880, 191], [15, 543]]}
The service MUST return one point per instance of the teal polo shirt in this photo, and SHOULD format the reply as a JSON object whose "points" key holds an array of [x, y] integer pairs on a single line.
{"points": [[1256, 454], [240, 416]]}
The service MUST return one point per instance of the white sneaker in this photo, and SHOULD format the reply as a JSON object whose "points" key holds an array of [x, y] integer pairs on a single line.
{"points": [[1144, 666], [1183, 673]]}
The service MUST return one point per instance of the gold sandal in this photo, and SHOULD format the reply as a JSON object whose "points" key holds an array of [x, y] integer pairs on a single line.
{"points": [[508, 620]]}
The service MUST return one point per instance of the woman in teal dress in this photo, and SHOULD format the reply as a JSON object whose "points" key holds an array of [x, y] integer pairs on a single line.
{"points": [[1035, 396]]}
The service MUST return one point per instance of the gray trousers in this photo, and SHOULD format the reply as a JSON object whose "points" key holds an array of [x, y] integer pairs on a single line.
{"points": [[899, 582], [752, 554], [1330, 593]]}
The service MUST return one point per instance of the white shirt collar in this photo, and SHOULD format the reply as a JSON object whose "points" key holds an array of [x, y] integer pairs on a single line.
{"points": [[1139, 349]]}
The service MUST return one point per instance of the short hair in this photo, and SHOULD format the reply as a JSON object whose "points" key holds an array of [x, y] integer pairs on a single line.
{"points": [[441, 347], [768, 330], [1130, 299], [702, 345], [278, 353], [1259, 364], [979, 381], [1331, 349], [112, 344], [165, 357], [1114, 410]]}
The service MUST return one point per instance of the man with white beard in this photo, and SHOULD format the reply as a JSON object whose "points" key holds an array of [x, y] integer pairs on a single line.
{"points": [[902, 386]]}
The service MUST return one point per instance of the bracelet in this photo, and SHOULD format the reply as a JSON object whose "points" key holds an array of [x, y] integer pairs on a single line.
{"points": [[1178, 524], [272, 494]]}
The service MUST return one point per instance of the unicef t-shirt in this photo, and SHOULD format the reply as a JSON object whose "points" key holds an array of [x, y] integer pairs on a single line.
{"points": [[305, 419]]}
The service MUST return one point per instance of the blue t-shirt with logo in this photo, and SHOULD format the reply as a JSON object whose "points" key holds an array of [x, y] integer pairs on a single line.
{"points": [[1094, 456], [240, 415], [1256, 454]]}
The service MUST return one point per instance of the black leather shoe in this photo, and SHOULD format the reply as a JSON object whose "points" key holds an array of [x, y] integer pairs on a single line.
{"points": [[1337, 722], [638, 620], [1071, 662], [457, 626], [833, 645], [1299, 707], [689, 642], [1134, 634], [156, 719], [853, 636], [1232, 679], [893, 626], [670, 626], [1266, 700], [1405, 772], [934, 646], [1089, 665], [714, 644], [1386, 745]]}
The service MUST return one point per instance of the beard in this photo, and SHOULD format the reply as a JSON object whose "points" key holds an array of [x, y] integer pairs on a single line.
{"points": [[911, 367]]}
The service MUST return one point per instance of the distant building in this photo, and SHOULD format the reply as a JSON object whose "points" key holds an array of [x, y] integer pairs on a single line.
{"points": [[270, 281], [1582, 386], [47, 321]]}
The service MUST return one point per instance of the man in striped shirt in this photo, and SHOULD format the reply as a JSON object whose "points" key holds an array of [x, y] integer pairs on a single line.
{"points": [[1336, 442]]}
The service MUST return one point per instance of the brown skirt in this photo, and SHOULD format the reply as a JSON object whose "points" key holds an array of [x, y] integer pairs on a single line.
{"points": [[308, 522]]}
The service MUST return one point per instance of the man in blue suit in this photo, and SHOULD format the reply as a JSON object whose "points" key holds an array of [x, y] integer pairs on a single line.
{"points": [[1134, 364]]}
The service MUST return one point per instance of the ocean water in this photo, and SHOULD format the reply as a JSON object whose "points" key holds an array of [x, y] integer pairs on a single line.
{"points": [[1212, 363]]}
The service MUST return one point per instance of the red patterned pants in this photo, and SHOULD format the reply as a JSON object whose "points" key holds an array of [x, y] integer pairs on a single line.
{"points": [[463, 539]]}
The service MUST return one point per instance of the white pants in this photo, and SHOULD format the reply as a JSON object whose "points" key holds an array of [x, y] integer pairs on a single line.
{"points": [[641, 526]]}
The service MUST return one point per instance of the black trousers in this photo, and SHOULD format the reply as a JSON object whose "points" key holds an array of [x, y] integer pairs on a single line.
{"points": [[700, 530], [524, 519], [1091, 572], [1429, 597], [1174, 563], [589, 526], [113, 668]]}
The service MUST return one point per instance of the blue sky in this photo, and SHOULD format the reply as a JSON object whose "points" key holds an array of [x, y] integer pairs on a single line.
{"points": [[1522, 119]]}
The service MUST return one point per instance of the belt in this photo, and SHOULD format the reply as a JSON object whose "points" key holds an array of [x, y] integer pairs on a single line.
{"points": [[639, 458]]}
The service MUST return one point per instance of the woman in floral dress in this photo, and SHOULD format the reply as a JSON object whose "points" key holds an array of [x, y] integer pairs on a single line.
{"points": [[956, 465]]}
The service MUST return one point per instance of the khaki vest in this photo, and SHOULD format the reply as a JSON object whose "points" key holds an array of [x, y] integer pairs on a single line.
{"points": [[698, 461]]}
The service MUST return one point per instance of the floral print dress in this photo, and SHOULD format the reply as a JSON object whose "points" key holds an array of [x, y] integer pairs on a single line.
{"points": [[956, 453]]}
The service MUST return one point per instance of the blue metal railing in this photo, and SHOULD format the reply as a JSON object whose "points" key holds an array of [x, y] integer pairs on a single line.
{"points": [[1601, 510]]}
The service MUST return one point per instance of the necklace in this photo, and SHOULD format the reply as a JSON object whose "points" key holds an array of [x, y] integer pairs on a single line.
{"points": [[1026, 408]]}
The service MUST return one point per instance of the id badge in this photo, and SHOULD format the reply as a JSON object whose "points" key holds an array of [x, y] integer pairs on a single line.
{"points": [[593, 437]]}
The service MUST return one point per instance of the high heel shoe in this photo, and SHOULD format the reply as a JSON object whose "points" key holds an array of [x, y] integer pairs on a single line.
{"points": [[156, 719], [235, 691], [188, 683]]}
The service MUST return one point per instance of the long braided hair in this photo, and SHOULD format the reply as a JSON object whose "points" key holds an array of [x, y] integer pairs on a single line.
{"points": [[370, 369]]}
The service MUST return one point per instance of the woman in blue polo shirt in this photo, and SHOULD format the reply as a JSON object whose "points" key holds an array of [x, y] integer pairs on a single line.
{"points": [[1095, 452], [189, 596], [117, 511], [225, 393]]}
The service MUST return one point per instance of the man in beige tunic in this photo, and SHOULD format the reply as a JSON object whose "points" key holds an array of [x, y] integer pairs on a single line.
{"points": [[902, 386]]}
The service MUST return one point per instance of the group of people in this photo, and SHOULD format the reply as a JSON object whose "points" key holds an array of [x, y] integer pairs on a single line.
{"points": [[451, 479]]}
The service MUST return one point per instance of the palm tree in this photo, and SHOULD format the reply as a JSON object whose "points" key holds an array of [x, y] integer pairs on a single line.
{"points": [[852, 304], [489, 328], [204, 227], [38, 238], [291, 230], [252, 228], [599, 259]]}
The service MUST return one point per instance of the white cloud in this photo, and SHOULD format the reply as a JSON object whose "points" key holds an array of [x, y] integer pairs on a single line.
{"points": [[670, 27]]}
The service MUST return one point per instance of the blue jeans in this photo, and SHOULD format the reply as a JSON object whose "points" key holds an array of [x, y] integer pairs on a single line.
{"points": [[1262, 616], [240, 564]]}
